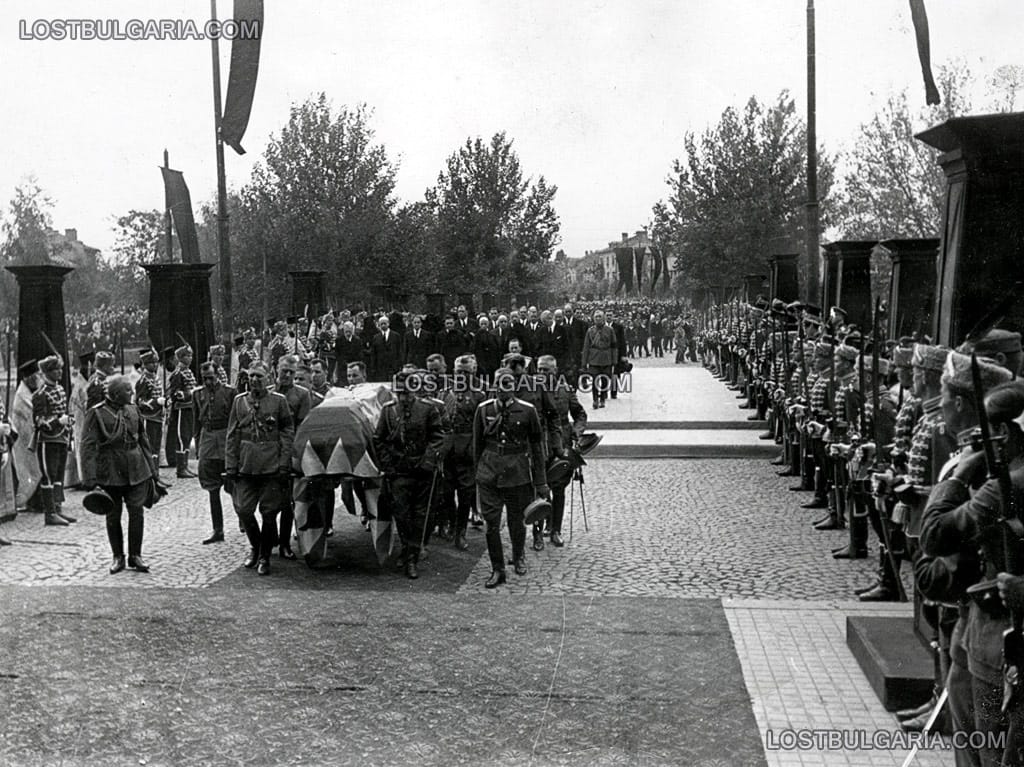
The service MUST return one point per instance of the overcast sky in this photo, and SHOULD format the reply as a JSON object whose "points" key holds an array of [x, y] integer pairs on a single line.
{"points": [[596, 94]]}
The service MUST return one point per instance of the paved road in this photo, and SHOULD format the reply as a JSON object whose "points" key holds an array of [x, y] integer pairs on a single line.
{"points": [[698, 612]]}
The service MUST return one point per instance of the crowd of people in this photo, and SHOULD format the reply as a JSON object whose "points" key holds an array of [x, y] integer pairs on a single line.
{"points": [[483, 409], [922, 446]]}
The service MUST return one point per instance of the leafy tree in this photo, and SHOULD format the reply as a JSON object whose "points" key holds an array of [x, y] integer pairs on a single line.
{"points": [[25, 230], [495, 229], [738, 193], [139, 238]]}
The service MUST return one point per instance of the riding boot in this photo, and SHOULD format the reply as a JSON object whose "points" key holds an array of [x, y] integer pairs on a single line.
{"points": [[268, 536], [879, 575], [887, 590], [50, 516], [495, 551], [58, 503], [858, 545], [136, 531], [181, 464]]}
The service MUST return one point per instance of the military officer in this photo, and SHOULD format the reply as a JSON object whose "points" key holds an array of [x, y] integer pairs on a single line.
{"points": [[408, 441], [117, 456], [104, 366], [150, 400], [318, 378], [52, 437], [300, 402], [257, 462], [211, 404], [460, 402], [568, 406], [508, 446], [179, 391]]}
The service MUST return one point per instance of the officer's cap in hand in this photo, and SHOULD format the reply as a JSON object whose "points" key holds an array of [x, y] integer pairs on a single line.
{"points": [[588, 442], [98, 501]]}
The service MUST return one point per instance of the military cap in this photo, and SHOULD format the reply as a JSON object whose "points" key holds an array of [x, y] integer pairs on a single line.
{"points": [[464, 363], [824, 348], [217, 349], [181, 352], [756, 312], [846, 352], [956, 372], [27, 368], [929, 357], [258, 366], [277, 325], [86, 357], [995, 341], [903, 354], [248, 333], [884, 365], [149, 355], [168, 352], [761, 303], [288, 362], [104, 358], [778, 306], [51, 363], [840, 312]]}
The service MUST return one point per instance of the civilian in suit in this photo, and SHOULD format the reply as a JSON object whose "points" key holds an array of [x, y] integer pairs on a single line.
{"points": [[464, 324], [451, 343], [620, 344], [348, 348], [419, 343], [530, 332], [552, 339], [503, 333], [387, 351], [576, 332], [487, 350]]}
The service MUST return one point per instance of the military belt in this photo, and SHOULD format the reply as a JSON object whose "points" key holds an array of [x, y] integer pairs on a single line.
{"points": [[505, 449]]}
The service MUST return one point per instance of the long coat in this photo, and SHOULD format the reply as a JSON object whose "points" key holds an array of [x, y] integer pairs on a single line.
{"points": [[386, 356], [115, 449], [418, 349]]}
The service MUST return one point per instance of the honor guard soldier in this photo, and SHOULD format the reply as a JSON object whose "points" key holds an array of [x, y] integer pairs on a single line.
{"points": [[150, 400], [117, 456], [211, 404], [104, 366], [567, 405], [508, 448], [179, 391], [257, 463], [408, 442], [461, 402], [216, 356], [300, 403], [52, 437]]}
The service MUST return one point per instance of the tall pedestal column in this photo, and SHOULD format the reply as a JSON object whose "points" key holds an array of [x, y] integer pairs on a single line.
{"points": [[41, 310], [180, 308], [308, 291]]}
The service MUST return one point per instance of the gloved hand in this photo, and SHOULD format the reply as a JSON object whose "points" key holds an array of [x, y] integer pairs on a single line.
{"points": [[161, 401], [543, 491], [64, 420], [229, 481]]}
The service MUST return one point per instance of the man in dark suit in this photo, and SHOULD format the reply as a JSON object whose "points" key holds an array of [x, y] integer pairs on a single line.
{"points": [[387, 351], [451, 343], [348, 347], [487, 350], [419, 343], [464, 324], [576, 332], [552, 339], [503, 333], [530, 332]]}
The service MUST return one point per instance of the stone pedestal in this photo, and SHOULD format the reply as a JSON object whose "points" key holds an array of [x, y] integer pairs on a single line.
{"points": [[982, 236], [912, 284], [754, 286], [847, 281], [308, 291], [180, 308], [784, 282], [41, 310]]}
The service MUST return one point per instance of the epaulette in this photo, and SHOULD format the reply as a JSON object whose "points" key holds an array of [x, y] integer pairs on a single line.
{"points": [[487, 401], [389, 403], [276, 394], [524, 402]]}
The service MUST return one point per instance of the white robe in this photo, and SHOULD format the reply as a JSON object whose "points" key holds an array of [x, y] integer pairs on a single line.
{"points": [[25, 463]]}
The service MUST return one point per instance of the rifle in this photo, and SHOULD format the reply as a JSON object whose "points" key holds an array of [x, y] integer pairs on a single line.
{"points": [[803, 357], [785, 359], [861, 416], [1009, 523]]}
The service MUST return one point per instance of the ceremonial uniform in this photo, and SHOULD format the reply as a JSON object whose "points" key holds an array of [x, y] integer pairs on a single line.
{"points": [[257, 459], [567, 406], [94, 389], [149, 396], [408, 441], [212, 409], [300, 403], [459, 465], [52, 437], [508, 447], [179, 391]]}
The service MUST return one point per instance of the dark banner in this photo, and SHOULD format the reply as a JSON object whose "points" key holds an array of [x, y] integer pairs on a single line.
{"points": [[924, 49], [245, 64], [179, 202], [656, 265], [638, 255], [624, 258]]}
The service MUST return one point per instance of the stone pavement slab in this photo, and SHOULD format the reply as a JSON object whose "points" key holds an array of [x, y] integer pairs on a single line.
{"points": [[684, 443], [284, 677]]}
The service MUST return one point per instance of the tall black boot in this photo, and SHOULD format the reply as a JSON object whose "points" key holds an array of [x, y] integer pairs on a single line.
{"points": [[879, 575], [216, 517], [50, 515], [886, 590], [857, 548], [181, 464]]}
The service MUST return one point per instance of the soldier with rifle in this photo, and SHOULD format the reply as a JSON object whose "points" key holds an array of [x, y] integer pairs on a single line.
{"points": [[150, 400], [180, 386], [52, 438], [974, 509]]}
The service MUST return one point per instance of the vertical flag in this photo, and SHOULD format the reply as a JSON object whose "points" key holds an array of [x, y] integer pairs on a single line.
{"points": [[656, 265], [638, 256], [245, 64], [920, 17], [179, 202], [624, 258]]}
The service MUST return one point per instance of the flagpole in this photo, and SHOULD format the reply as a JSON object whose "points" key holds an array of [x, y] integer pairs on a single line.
{"points": [[223, 241], [167, 217], [812, 283]]}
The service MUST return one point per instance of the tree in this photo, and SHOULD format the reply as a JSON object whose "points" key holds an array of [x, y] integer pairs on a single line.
{"points": [[495, 229], [139, 238], [25, 231], [737, 195]]}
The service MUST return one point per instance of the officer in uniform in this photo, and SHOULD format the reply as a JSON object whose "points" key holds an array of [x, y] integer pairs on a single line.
{"points": [[460, 403], [179, 391], [117, 456], [408, 441], [508, 446], [211, 404], [52, 436], [257, 462], [150, 400], [300, 403], [104, 366], [567, 405]]}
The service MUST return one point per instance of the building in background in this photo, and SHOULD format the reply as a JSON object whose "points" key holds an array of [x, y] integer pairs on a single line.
{"points": [[596, 273]]}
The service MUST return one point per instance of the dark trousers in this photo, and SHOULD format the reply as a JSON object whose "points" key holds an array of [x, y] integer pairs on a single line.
{"points": [[53, 459], [557, 508], [181, 429], [263, 492], [409, 498], [154, 432], [515, 500], [601, 380], [133, 497], [350, 490]]}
